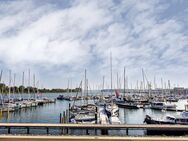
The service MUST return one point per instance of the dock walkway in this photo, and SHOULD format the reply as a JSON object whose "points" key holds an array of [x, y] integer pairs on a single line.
{"points": [[91, 138], [99, 126], [93, 127]]}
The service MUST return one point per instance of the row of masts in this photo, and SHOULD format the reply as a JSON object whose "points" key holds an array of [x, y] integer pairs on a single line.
{"points": [[17, 99], [142, 85], [12, 83]]}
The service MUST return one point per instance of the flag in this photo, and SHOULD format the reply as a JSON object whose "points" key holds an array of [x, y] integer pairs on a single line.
{"points": [[117, 93]]}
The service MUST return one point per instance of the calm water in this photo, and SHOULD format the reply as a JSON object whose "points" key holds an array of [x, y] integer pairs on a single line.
{"points": [[49, 113]]}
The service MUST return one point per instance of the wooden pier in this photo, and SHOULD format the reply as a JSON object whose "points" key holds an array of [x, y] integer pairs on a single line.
{"points": [[94, 127], [91, 138]]}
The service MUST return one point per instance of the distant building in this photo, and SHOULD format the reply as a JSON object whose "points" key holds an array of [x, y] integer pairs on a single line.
{"points": [[186, 91], [179, 90]]}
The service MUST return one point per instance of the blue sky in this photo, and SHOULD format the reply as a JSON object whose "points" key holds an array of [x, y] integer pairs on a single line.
{"points": [[59, 39]]}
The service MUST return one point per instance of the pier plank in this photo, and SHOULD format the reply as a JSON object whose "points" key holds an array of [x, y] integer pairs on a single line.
{"points": [[87, 126], [91, 138]]}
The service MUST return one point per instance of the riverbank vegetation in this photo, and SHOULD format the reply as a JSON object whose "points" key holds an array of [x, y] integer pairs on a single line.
{"points": [[21, 89]]}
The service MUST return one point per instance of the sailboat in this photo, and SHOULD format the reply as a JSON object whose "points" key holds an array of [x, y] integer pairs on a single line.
{"points": [[111, 108], [101, 101], [121, 102], [84, 113]]}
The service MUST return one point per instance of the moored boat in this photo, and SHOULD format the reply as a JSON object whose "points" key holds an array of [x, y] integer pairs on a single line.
{"points": [[128, 105], [111, 109], [60, 97], [163, 106], [179, 119]]}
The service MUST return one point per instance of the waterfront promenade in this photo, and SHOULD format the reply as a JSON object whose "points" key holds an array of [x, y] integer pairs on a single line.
{"points": [[94, 126], [10, 135], [91, 138]]}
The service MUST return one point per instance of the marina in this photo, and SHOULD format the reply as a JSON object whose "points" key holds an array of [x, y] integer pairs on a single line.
{"points": [[49, 113], [93, 70], [104, 111]]}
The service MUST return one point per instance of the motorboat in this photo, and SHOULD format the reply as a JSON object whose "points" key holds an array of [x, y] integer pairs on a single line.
{"points": [[182, 118], [83, 117], [128, 105], [111, 109], [60, 97], [163, 106]]}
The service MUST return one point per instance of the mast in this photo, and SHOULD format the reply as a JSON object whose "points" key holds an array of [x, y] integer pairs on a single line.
{"points": [[85, 86], [103, 85], [165, 87], [1, 74], [9, 92], [127, 82], [124, 82], [111, 70], [68, 87], [169, 86], [162, 85], [29, 84], [37, 86], [1, 91], [154, 82], [33, 80], [117, 81], [23, 82], [120, 83], [14, 81], [81, 93], [71, 85], [143, 79], [80, 87], [9, 85], [34, 85]]}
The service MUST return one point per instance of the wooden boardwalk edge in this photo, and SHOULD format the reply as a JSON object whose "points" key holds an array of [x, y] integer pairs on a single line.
{"points": [[99, 126], [91, 138]]}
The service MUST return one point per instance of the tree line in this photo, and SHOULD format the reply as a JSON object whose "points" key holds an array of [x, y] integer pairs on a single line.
{"points": [[21, 89]]}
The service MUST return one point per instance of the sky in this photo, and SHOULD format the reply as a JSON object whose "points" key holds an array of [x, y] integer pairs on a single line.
{"points": [[58, 39]]}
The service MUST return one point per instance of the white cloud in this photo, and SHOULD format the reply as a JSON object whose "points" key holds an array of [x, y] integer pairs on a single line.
{"points": [[46, 37]]}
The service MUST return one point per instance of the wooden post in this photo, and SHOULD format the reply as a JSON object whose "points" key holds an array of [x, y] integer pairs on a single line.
{"points": [[47, 130], [96, 119], [87, 132], [67, 130], [69, 113], [8, 130], [104, 131], [66, 121], [1, 113], [27, 130], [63, 121], [96, 115], [63, 117], [66, 116], [69, 106], [60, 116], [95, 131], [63, 131]]}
